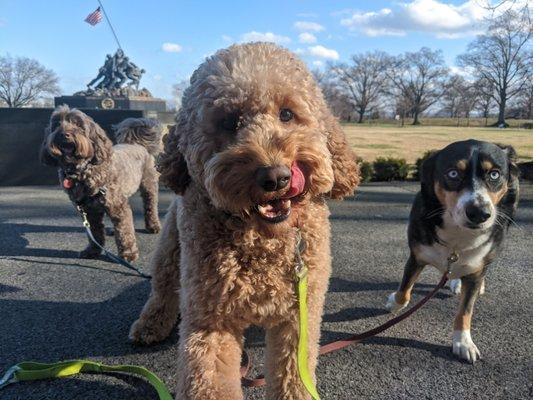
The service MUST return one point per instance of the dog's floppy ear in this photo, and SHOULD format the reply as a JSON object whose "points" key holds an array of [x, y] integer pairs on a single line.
{"points": [[514, 170], [44, 154], [172, 164], [427, 173], [511, 197], [344, 161], [102, 145]]}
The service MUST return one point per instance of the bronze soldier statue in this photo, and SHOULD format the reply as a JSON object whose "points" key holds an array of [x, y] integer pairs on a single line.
{"points": [[116, 70]]}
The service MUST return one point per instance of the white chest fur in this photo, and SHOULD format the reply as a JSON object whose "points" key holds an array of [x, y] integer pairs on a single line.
{"points": [[470, 245]]}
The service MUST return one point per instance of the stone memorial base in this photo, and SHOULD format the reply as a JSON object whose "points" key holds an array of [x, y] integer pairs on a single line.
{"points": [[140, 103]]}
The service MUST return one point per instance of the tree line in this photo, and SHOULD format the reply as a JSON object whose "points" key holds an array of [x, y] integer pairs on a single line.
{"points": [[497, 72], [496, 77]]}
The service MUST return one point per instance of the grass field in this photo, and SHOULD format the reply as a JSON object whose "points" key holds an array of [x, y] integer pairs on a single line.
{"points": [[410, 142]]}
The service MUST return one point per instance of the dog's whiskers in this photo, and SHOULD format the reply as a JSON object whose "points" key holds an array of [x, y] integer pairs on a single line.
{"points": [[434, 213], [508, 219]]}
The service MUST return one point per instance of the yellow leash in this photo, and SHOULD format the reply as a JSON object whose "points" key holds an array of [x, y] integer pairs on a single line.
{"points": [[31, 371], [302, 357]]}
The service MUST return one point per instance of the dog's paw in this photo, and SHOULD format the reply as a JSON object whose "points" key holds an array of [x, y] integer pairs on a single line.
{"points": [[455, 286], [147, 331], [153, 229], [392, 306], [130, 256], [90, 253], [464, 347], [482, 288]]}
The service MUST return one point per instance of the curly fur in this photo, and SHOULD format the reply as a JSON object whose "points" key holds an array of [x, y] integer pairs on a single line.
{"points": [[82, 151], [218, 264], [144, 131]]}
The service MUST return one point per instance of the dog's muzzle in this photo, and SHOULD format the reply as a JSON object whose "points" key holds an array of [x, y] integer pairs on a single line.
{"points": [[272, 179]]}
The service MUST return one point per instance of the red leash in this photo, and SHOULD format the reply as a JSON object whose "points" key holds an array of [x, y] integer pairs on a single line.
{"points": [[341, 344]]}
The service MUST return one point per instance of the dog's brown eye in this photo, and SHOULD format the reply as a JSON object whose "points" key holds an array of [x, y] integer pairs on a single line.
{"points": [[231, 122], [285, 115]]}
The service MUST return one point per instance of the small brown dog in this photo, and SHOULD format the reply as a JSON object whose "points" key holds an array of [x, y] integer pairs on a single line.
{"points": [[100, 177], [254, 154]]}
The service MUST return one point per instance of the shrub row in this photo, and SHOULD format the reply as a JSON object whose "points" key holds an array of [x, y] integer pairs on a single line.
{"points": [[391, 169]]}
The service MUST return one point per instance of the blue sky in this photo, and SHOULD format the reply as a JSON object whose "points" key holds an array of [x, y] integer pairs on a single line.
{"points": [[170, 38]]}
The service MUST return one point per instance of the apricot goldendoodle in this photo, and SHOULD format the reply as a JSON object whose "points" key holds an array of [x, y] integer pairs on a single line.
{"points": [[254, 155], [100, 177]]}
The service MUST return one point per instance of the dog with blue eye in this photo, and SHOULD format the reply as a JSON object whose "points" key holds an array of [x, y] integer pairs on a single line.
{"points": [[458, 221]]}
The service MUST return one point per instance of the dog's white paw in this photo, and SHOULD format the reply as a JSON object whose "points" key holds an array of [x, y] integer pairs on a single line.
{"points": [[392, 306], [464, 347], [455, 286]]}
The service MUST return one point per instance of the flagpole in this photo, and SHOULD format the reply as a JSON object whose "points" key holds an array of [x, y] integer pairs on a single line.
{"points": [[109, 22]]}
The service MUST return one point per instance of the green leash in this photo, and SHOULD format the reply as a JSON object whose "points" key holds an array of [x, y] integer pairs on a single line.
{"points": [[302, 357], [31, 371]]}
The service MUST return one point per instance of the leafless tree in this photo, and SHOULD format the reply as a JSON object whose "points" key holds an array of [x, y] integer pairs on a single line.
{"points": [[460, 98], [23, 81], [526, 101], [362, 81], [485, 101], [177, 92], [502, 58], [469, 100], [338, 102], [451, 98], [418, 79]]}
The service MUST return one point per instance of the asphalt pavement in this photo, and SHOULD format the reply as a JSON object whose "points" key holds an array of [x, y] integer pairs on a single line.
{"points": [[54, 306]]}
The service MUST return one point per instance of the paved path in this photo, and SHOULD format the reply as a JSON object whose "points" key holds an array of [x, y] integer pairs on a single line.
{"points": [[54, 306]]}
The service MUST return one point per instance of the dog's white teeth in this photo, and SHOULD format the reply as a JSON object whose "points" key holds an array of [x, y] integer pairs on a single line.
{"points": [[275, 208]]}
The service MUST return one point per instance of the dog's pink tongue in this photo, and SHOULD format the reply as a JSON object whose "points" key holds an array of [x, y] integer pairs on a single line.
{"points": [[297, 181]]}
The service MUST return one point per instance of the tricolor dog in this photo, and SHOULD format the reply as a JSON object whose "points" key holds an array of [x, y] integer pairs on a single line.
{"points": [[468, 197]]}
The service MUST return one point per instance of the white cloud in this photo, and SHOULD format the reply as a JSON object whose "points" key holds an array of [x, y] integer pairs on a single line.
{"points": [[264, 37], [171, 47], [318, 63], [323, 52], [443, 19], [465, 72], [306, 37], [157, 77], [306, 26], [227, 38]]}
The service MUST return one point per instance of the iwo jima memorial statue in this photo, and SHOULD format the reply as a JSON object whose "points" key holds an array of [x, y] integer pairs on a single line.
{"points": [[115, 87]]}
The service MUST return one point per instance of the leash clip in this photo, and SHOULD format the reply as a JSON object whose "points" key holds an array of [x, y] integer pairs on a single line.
{"points": [[10, 376], [85, 222], [452, 259]]}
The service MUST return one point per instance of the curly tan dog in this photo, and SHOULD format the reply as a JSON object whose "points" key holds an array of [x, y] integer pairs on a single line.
{"points": [[101, 177], [254, 154]]}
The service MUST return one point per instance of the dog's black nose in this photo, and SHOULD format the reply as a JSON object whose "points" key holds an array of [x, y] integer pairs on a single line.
{"points": [[273, 178], [477, 214]]}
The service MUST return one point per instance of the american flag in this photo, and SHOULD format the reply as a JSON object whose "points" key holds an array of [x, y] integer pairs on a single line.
{"points": [[94, 17]]}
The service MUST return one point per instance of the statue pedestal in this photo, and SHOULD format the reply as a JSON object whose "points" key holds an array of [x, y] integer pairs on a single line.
{"points": [[140, 103]]}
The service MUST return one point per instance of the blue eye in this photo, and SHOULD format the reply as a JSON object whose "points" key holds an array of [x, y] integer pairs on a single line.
{"points": [[494, 175], [452, 174]]}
